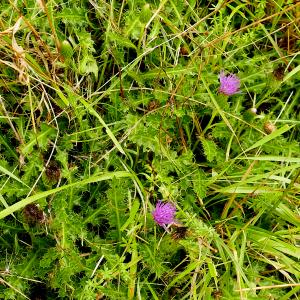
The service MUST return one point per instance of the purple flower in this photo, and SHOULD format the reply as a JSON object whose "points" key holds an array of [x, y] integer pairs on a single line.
{"points": [[230, 84], [164, 213]]}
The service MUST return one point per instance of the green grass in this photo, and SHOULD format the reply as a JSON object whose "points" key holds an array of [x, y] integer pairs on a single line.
{"points": [[107, 107]]}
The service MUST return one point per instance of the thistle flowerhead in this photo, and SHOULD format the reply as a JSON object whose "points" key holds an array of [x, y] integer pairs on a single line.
{"points": [[164, 213], [229, 85]]}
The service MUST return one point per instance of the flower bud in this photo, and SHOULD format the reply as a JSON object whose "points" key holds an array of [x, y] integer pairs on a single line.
{"points": [[269, 127]]}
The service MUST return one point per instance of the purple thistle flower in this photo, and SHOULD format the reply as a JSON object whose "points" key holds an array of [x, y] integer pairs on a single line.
{"points": [[230, 84], [164, 213]]}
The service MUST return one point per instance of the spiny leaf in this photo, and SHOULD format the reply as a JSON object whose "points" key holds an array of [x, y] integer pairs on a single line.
{"points": [[41, 139], [120, 40], [210, 149], [74, 16]]}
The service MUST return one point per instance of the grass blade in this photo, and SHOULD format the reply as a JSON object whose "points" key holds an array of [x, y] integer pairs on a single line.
{"points": [[24, 202]]}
